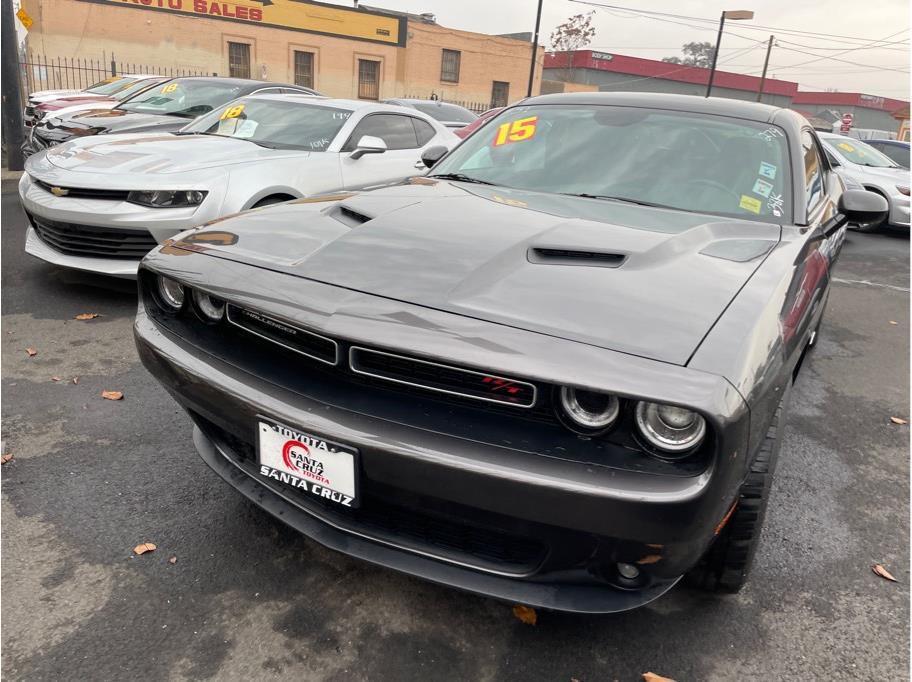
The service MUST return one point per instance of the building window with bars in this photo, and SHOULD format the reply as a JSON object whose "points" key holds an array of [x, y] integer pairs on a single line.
{"points": [[368, 79], [449, 66], [304, 69], [239, 60], [500, 93]]}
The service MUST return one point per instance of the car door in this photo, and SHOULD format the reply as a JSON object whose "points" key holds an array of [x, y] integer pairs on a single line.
{"points": [[399, 161]]}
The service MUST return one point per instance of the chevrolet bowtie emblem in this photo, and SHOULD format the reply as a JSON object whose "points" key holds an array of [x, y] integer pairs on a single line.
{"points": [[59, 191]]}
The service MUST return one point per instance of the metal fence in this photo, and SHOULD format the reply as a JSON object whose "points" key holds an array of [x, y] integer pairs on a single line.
{"points": [[476, 107], [40, 72]]}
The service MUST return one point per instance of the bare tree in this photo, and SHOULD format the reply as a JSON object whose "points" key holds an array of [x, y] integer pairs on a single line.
{"points": [[695, 54], [574, 34]]}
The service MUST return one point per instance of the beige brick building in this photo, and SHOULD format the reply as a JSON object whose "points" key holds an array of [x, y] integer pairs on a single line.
{"points": [[339, 50]]}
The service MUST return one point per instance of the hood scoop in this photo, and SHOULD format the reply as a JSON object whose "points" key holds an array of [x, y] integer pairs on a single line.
{"points": [[552, 256], [349, 216]]}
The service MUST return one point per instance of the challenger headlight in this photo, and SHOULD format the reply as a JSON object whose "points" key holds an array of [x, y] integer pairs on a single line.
{"points": [[670, 429], [171, 294], [588, 412], [164, 198], [210, 308]]}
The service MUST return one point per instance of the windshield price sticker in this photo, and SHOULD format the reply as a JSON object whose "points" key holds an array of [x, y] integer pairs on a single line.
{"points": [[519, 130], [845, 146], [232, 112], [170, 87]]}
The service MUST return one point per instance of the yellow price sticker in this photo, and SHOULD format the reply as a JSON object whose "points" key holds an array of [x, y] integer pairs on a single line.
{"points": [[232, 112], [750, 204], [516, 131], [845, 146], [170, 87]]}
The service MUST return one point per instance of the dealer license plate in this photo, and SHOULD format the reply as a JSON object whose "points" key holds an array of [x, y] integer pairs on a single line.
{"points": [[309, 463]]}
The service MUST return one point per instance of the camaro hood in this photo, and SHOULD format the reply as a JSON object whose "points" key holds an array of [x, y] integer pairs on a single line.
{"points": [[62, 102], [144, 154], [645, 281], [107, 120]]}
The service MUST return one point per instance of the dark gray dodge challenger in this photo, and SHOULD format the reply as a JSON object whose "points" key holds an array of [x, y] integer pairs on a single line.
{"points": [[553, 370]]}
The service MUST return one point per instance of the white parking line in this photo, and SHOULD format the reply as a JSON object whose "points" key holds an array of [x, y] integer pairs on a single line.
{"points": [[870, 284]]}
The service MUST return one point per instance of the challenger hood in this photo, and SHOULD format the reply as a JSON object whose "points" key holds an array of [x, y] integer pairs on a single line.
{"points": [[639, 280], [159, 153]]}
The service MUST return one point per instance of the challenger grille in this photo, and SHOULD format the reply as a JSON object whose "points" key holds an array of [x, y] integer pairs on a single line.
{"points": [[441, 378], [299, 340], [93, 242]]}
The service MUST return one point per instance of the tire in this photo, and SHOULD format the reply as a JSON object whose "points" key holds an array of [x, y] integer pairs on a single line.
{"points": [[726, 564]]}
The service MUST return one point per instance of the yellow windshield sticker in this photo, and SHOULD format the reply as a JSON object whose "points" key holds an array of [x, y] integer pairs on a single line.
{"points": [[232, 112], [170, 87], [845, 146], [516, 131], [750, 204]]}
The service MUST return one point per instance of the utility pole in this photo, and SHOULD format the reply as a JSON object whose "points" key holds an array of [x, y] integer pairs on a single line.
{"points": [[10, 88], [534, 48], [769, 48], [738, 14]]}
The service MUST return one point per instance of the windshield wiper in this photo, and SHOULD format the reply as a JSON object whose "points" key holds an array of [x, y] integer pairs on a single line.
{"points": [[461, 178], [638, 202]]}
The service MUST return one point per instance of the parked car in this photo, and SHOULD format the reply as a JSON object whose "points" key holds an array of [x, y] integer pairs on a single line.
{"points": [[556, 374], [100, 203], [103, 88], [162, 109], [898, 150], [876, 172], [68, 106], [451, 115], [478, 122]]}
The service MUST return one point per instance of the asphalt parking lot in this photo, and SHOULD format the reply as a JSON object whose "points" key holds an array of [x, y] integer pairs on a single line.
{"points": [[248, 598]]}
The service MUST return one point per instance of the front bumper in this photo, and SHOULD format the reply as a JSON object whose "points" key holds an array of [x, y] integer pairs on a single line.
{"points": [[587, 518], [899, 211]]}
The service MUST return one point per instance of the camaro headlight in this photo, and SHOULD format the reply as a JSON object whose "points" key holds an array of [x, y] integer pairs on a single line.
{"points": [[671, 429], [171, 293], [166, 198], [903, 189], [210, 308], [588, 411]]}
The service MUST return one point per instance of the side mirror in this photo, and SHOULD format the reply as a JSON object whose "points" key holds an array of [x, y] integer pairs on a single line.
{"points": [[432, 155], [859, 206], [368, 144]]}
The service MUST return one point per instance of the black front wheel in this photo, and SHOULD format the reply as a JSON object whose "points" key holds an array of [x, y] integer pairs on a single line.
{"points": [[726, 564]]}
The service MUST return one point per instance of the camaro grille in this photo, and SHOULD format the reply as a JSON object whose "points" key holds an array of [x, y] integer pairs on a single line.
{"points": [[82, 192], [93, 242]]}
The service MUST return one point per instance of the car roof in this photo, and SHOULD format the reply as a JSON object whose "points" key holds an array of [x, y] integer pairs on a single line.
{"points": [[350, 104], [895, 143], [720, 106]]}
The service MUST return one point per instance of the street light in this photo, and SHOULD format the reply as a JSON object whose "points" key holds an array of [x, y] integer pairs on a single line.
{"points": [[734, 15]]}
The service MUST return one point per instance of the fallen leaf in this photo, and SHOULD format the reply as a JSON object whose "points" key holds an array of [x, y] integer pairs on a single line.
{"points": [[172, 560], [111, 395], [526, 614], [652, 677], [650, 559], [5, 459], [893, 322], [55, 378], [882, 572], [31, 352], [75, 380], [87, 316], [144, 547], [898, 420]]}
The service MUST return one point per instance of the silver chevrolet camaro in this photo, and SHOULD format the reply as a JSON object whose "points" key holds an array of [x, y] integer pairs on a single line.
{"points": [[101, 203]]}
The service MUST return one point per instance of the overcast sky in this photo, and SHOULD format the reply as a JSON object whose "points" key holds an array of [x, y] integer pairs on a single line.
{"points": [[628, 33]]}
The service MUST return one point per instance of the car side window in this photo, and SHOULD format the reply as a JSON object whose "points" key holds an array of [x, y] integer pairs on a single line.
{"points": [[397, 131], [813, 171], [424, 130]]}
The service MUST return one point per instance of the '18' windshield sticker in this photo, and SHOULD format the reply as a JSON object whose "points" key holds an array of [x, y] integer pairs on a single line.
{"points": [[750, 204], [775, 204], [519, 130], [170, 87], [762, 187], [232, 112], [771, 134], [845, 146], [767, 170]]}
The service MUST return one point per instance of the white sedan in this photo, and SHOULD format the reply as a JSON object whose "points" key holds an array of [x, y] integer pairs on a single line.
{"points": [[100, 203]]}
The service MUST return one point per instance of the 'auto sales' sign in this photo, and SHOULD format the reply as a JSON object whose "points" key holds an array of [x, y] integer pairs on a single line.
{"points": [[297, 15]]}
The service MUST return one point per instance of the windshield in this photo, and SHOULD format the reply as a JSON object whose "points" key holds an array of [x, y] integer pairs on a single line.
{"points": [[182, 97], [858, 152], [445, 112], [109, 85], [133, 88], [692, 162], [274, 123]]}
